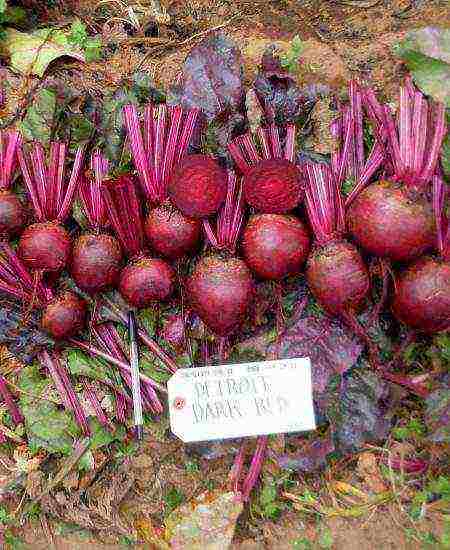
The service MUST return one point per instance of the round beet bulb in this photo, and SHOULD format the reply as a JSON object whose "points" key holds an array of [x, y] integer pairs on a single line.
{"points": [[64, 316], [12, 214], [145, 281], [388, 223], [337, 276], [198, 186], [273, 186], [422, 297], [275, 245], [170, 233], [96, 262], [44, 247], [220, 291]]}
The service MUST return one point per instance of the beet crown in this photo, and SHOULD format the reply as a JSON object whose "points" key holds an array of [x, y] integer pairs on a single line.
{"points": [[12, 212], [271, 180], [198, 186]]}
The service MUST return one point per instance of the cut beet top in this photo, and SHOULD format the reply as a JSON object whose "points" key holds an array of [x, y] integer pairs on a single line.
{"points": [[12, 211], [198, 186]]}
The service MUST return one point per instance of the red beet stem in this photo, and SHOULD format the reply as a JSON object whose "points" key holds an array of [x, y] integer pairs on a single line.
{"points": [[91, 396], [229, 218], [64, 386], [324, 203], [255, 467], [90, 192], [16, 280], [9, 145], [245, 154], [13, 409], [51, 198], [152, 345], [124, 213], [159, 145]]}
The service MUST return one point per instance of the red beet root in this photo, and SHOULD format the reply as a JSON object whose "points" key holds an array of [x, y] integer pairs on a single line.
{"points": [[170, 233], [337, 276], [96, 262], [12, 214], [422, 297], [220, 291], [275, 245], [198, 186], [387, 222], [145, 281], [273, 186], [64, 316], [44, 247]]}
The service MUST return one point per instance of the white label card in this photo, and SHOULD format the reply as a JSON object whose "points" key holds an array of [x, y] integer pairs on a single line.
{"points": [[246, 399]]}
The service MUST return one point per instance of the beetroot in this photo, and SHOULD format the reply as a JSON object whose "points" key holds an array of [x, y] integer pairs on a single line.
{"points": [[422, 295], [146, 280], [337, 276], [335, 271], [275, 245], [220, 287], [96, 262], [170, 233], [393, 219], [198, 186], [220, 290], [168, 131], [422, 291], [96, 256], [45, 245], [271, 182], [12, 212], [64, 316]]}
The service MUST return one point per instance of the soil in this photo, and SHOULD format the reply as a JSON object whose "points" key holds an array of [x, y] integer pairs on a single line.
{"points": [[342, 40]]}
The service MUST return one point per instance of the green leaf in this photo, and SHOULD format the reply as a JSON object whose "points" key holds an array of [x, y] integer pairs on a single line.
{"points": [[101, 436], [32, 53], [3, 6], [78, 33], [81, 364], [46, 425], [93, 49], [445, 156], [426, 53], [38, 121]]}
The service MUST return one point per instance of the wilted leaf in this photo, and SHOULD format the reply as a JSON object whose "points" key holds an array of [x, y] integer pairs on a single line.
{"points": [[360, 413], [32, 53], [206, 523], [46, 425], [311, 454], [437, 413], [38, 121], [426, 53], [212, 82]]}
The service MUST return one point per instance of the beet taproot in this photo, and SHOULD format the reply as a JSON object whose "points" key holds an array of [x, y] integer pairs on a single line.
{"points": [[45, 247], [220, 291], [146, 280], [275, 245], [391, 221], [12, 214], [171, 233], [64, 316], [198, 186], [96, 262]]}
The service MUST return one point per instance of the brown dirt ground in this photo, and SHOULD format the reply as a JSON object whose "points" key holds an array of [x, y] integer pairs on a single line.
{"points": [[342, 40]]}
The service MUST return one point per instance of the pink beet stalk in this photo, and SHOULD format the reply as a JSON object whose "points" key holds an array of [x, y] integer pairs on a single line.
{"points": [[7, 397], [229, 218], [65, 389], [50, 194], [91, 396], [9, 145], [90, 192], [158, 144]]}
